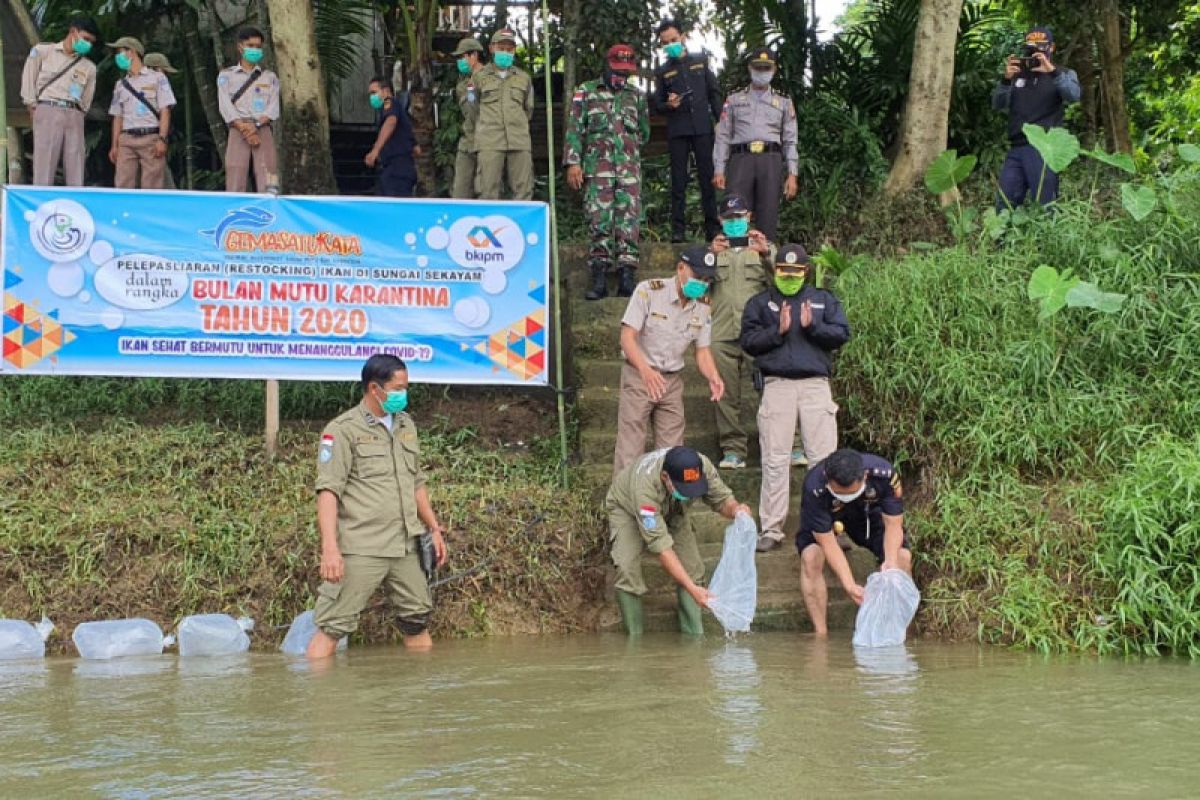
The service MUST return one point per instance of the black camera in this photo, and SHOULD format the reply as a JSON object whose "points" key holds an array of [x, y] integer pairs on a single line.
{"points": [[1029, 59]]}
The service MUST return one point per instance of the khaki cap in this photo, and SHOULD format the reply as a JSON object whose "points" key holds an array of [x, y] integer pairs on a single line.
{"points": [[468, 45], [130, 43], [159, 61]]}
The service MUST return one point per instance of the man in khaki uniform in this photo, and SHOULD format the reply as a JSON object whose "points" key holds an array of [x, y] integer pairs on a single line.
{"points": [[372, 508], [792, 330], [647, 508], [248, 96], [57, 86], [504, 108], [141, 112], [662, 319], [741, 274], [469, 59]]}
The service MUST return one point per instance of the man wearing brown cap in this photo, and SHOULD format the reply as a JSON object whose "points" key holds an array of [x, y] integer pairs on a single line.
{"points": [[755, 142], [607, 127], [504, 107], [791, 330], [664, 318], [58, 83], [141, 119], [468, 58], [647, 508]]}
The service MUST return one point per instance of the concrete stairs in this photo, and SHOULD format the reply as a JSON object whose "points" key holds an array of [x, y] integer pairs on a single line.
{"points": [[594, 333]]}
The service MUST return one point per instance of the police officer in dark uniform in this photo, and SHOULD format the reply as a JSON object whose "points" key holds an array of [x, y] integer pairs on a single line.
{"points": [[395, 146], [687, 94], [857, 494]]}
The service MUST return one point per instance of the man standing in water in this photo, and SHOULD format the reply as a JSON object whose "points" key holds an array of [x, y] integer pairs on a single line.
{"points": [[647, 509], [858, 494], [372, 508]]}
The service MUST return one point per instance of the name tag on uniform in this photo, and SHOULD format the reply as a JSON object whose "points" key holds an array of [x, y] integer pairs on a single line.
{"points": [[657, 315], [817, 305]]}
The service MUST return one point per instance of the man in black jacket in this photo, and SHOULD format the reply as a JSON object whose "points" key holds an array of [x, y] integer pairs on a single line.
{"points": [[1033, 91], [687, 94], [791, 331]]}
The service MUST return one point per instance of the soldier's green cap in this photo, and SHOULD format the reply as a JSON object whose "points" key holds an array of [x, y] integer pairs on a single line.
{"points": [[762, 57], [467, 45], [159, 61], [504, 35], [128, 42]]}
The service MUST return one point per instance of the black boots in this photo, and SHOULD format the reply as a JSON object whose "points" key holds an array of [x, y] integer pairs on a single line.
{"points": [[628, 282], [599, 288]]}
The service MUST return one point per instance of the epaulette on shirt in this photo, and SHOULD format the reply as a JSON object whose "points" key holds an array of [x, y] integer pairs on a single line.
{"points": [[657, 284], [704, 299]]}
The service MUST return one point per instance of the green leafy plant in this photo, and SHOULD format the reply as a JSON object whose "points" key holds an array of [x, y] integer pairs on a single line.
{"points": [[1139, 201], [944, 175], [1056, 291]]}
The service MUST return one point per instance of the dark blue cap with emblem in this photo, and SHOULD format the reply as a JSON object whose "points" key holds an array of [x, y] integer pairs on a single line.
{"points": [[734, 205], [701, 260], [686, 471]]}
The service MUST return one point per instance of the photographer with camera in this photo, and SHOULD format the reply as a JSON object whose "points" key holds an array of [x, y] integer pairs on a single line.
{"points": [[687, 94], [1033, 91]]}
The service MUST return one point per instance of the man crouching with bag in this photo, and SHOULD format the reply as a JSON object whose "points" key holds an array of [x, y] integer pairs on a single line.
{"points": [[372, 509]]}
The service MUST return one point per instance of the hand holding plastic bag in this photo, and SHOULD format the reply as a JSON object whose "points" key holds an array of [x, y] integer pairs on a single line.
{"points": [[889, 603], [734, 584]]}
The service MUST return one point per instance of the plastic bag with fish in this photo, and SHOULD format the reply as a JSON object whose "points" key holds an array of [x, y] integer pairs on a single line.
{"points": [[303, 629], [20, 640], [890, 600], [119, 638], [734, 583], [214, 635]]}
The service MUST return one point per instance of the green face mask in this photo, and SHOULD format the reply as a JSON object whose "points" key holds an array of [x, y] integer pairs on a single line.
{"points": [[675, 493], [503, 59], [463, 67], [124, 62], [396, 401], [674, 49], [82, 47], [253, 55], [736, 227], [376, 101], [789, 285], [695, 288]]}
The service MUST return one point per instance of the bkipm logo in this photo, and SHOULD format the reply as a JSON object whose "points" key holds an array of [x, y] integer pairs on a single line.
{"points": [[61, 230], [482, 237], [493, 244]]}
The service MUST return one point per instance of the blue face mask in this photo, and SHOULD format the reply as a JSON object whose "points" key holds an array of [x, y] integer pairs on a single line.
{"points": [[464, 68], [737, 227], [253, 55], [675, 493], [674, 50], [82, 46], [695, 288], [124, 62], [503, 59], [396, 401], [376, 101]]}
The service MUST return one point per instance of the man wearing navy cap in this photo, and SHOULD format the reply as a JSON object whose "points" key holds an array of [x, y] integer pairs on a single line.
{"points": [[647, 509], [663, 319], [1033, 91], [755, 142]]}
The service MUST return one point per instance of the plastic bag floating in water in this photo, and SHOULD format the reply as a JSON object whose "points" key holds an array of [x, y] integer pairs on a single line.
{"points": [[20, 640], [734, 583], [301, 633], [119, 638], [214, 635], [889, 603]]}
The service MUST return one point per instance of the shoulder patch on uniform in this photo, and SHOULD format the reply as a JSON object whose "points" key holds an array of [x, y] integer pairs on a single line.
{"points": [[325, 453], [657, 284], [649, 517], [33, 52], [222, 79]]}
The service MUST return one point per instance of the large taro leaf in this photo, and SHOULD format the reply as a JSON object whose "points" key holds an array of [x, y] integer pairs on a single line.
{"points": [[1057, 147]]}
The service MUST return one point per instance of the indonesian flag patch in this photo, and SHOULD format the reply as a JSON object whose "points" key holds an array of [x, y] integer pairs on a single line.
{"points": [[325, 455], [649, 515]]}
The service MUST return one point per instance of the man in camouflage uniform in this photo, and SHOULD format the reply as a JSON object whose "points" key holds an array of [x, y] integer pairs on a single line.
{"points": [[608, 125], [468, 58]]}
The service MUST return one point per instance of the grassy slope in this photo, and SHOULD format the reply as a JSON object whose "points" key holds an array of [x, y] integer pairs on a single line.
{"points": [[1058, 461], [122, 517]]}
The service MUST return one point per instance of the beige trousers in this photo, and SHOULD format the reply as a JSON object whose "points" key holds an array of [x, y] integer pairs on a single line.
{"points": [[239, 154], [464, 176], [134, 152], [636, 411], [57, 133], [784, 403]]}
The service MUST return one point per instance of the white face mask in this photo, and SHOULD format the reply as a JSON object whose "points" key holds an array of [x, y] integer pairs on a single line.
{"points": [[761, 78], [849, 498]]}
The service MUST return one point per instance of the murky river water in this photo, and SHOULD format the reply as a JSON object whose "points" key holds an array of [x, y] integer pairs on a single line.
{"points": [[769, 716]]}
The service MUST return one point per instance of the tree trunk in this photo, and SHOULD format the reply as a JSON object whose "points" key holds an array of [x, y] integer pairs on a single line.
{"points": [[203, 79], [1085, 66], [1112, 78], [927, 109], [419, 24], [306, 164]]}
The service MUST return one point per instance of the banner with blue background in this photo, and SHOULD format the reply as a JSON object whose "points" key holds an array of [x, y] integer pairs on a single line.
{"points": [[215, 285]]}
